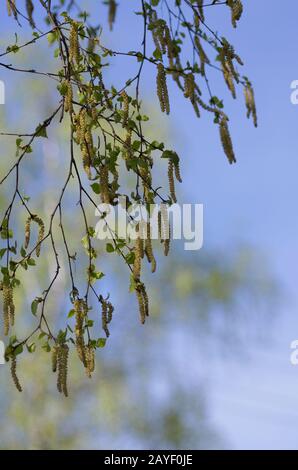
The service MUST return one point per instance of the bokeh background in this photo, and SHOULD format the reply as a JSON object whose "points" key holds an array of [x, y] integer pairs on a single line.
{"points": [[211, 369]]}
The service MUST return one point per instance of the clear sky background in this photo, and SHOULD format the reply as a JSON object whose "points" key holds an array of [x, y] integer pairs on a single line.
{"points": [[253, 396]]}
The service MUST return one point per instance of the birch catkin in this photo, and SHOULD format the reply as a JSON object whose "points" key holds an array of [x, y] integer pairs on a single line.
{"points": [[80, 309], [125, 108], [8, 307], [149, 249]]}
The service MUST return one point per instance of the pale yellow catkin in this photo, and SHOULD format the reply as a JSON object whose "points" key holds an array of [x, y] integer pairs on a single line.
{"points": [[41, 233], [112, 13], [30, 10], [162, 89], [6, 308], [62, 362], [104, 184], [74, 47], [149, 249], [138, 252], [13, 369], [229, 79], [125, 108], [68, 98], [236, 10], [143, 301], [104, 317], [177, 172], [90, 360], [226, 140], [54, 358]]}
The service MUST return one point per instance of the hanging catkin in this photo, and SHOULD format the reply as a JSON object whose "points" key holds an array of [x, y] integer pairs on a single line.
{"points": [[104, 184], [236, 10], [68, 98], [112, 13], [229, 78], [13, 370], [250, 103], [8, 307], [104, 317], [62, 361], [162, 89], [90, 360], [30, 9], [142, 301], [171, 180], [80, 309], [40, 234], [226, 140], [149, 249], [139, 253], [202, 54], [125, 108], [54, 358], [6, 315]]}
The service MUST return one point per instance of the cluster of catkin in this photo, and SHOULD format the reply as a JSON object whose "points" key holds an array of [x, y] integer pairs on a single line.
{"points": [[41, 232], [60, 365], [8, 306]]}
